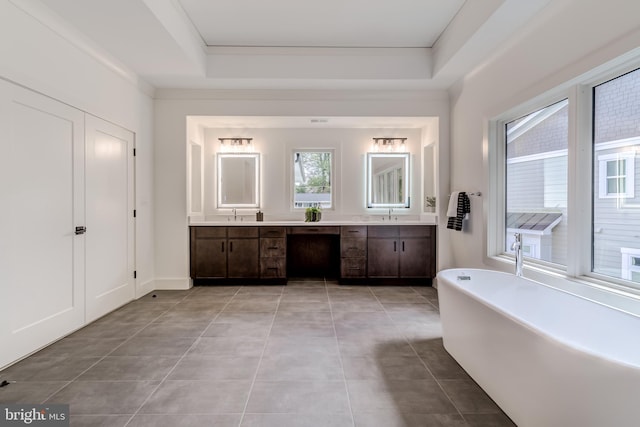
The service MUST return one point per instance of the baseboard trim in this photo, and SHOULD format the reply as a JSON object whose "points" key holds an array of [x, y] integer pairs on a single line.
{"points": [[145, 288], [172, 284]]}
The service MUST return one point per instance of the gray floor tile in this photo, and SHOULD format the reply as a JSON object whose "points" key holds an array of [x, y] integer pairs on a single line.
{"points": [[368, 346], [186, 420], [84, 347], [229, 346], [439, 362], [469, 397], [198, 397], [488, 420], [254, 318], [213, 341], [396, 419], [174, 330], [49, 368], [301, 316], [297, 420], [304, 307], [303, 329], [410, 396], [130, 368], [238, 330], [155, 346], [29, 391], [99, 420], [388, 368], [373, 305], [293, 368], [251, 306], [319, 397], [301, 347], [109, 330], [104, 397], [207, 367]]}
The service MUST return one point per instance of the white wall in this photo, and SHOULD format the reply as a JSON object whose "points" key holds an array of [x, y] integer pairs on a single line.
{"points": [[567, 39], [38, 57], [173, 106], [275, 147]]}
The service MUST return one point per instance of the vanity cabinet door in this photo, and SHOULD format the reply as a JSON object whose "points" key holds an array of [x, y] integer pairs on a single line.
{"points": [[243, 258], [382, 257], [414, 255], [209, 258]]}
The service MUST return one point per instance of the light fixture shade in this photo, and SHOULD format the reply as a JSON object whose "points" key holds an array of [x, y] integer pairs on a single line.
{"points": [[389, 145], [236, 145]]}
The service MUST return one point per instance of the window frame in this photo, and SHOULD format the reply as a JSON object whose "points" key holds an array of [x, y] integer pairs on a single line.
{"points": [[579, 91], [332, 177], [603, 178]]}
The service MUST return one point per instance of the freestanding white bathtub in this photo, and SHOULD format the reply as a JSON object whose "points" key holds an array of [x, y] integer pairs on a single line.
{"points": [[548, 358]]}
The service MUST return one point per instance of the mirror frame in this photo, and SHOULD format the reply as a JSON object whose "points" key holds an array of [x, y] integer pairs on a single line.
{"points": [[406, 202], [220, 157]]}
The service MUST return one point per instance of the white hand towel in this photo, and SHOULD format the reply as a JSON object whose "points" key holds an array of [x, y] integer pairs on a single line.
{"points": [[452, 209]]}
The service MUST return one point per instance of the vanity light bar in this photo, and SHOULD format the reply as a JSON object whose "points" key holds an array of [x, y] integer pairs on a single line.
{"points": [[236, 144], [389, 144]]}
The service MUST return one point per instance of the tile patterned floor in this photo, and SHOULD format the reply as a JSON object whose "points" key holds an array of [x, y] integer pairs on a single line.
{"points": [[312, 353]]}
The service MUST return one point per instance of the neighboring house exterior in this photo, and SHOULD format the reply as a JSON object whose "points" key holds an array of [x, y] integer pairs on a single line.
{"points": [[537, 171]]}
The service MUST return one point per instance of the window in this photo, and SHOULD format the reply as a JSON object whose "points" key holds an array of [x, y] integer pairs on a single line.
{"points": [[616, 211], [536, 178], [616, 173], [312, 179], [534, 154]]}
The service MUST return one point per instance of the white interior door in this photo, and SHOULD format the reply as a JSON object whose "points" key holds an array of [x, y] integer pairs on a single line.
{"points": [[42, 201], [109, 213]]}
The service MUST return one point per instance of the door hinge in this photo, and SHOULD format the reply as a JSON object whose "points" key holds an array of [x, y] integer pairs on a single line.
{"points": [[134, 213], [135, 274], [134, 152]]}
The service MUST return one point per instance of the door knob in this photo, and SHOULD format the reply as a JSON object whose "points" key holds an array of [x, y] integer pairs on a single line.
{"points": [[81, 230]]}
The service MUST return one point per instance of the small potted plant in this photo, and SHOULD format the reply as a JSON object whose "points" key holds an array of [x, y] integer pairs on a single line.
{"points": [[430, 204], [312, 214]]}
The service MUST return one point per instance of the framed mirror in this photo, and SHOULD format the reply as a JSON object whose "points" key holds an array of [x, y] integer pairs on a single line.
{"points": [[238, 180], [388, 180]]}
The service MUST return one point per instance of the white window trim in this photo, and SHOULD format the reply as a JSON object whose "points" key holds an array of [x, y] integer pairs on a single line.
{"points": [[577, 277], [627, 266], [629, 159], [333, 179]]}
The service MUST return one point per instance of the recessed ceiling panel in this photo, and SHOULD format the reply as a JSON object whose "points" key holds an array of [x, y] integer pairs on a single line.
{"points": [[328, 23]]}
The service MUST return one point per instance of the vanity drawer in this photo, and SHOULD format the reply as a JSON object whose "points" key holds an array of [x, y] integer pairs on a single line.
{"points": [[353, 247], [383, 231], [353, 231], [353, 267], [416, 230], [210, 232], [242, 232], [310, 229], [273, 268], [273, 247], [272, 232]]}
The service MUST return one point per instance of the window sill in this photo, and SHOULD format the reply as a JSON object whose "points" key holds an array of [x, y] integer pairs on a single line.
{"points": [[594, 289]]}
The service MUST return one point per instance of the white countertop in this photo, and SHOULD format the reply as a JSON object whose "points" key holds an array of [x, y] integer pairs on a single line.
{"points": [[305, 224]]}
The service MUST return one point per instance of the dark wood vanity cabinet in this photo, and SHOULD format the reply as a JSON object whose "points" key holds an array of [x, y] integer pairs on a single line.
{"points": [[353, 252], [403, 252], [273, 253], [389, 253], [225, 252]]}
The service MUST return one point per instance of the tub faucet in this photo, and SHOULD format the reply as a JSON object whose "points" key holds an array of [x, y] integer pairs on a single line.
{"points": [[517, 248]]}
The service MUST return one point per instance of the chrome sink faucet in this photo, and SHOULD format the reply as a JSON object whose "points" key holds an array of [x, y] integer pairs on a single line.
{"points": [[390, 210], [235, 216], [517, 248]]}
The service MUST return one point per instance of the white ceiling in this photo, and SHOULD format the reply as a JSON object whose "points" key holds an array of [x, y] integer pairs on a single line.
{"points": [[293, 44], [327, 23]]}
